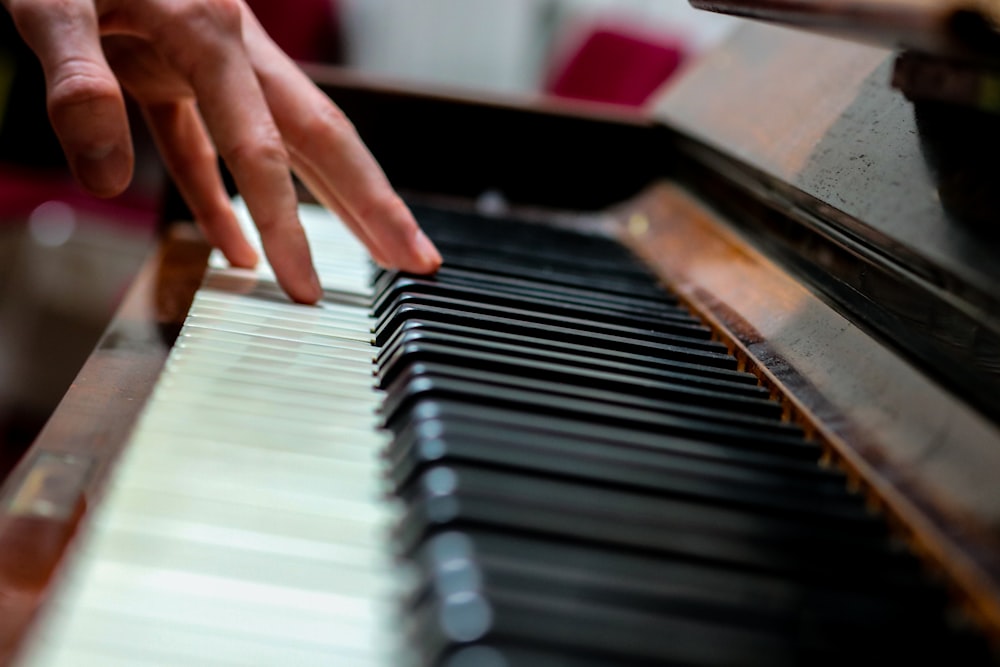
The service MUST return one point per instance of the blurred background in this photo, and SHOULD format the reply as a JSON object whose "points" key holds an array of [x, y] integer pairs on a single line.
{"points": [[66, 258]]}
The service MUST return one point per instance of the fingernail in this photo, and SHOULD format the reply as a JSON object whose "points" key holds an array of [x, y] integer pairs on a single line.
{"points": [[104, 170], [428, 252]]}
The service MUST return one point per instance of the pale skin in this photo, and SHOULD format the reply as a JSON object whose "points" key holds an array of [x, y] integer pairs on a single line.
{"points": [[210, 83]]}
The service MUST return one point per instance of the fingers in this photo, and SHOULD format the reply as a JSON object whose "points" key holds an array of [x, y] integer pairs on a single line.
{"points": [[192, 162], [314, 182], [211, 56], [84, 100], [168, 106], [246, 91], [326, 148]]}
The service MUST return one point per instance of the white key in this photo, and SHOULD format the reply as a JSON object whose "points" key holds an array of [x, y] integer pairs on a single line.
{"points": [[246, 522]]}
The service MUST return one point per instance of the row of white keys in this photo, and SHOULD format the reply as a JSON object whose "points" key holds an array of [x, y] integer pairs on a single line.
{"points": [[245, 523]]}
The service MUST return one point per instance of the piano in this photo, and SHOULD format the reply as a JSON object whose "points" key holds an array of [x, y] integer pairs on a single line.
{"points": [[712, 386]]}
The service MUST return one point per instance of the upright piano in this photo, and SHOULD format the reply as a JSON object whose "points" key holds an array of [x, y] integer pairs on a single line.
{"points": [[716, 385]]}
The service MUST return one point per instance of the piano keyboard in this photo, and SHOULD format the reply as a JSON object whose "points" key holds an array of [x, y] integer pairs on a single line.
{"points": [[245, 523], [559, 465]]}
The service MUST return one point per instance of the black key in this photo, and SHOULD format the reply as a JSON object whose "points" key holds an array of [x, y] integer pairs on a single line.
{"points": [[589, 297], [715, 460], [509, 238], [749, 599], [677, 349], [416, 383], [428, 443], [738, 385], [668, 319], [723, 368], [513, 654], [802, 618], [633, 499], [462, 498], [562, 276], [690, 336], [614, 387], [446, 624]]}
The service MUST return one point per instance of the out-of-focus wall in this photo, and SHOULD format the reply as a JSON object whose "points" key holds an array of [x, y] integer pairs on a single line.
{"points": [[502, 45], [474, 43]]}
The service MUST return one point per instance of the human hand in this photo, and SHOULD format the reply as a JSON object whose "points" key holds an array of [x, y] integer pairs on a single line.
{"points": [[211, 82]]}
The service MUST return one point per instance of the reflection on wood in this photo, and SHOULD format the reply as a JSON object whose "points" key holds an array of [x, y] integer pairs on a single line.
{"points": [[930, 461], [90, 426]]}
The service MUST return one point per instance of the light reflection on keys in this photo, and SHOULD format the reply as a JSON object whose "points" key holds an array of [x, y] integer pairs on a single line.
{"points": [[245, 523]]}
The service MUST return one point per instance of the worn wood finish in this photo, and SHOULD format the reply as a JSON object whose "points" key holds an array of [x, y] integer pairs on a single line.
{"points": [[919, 452], [887, 208], [819, 116], [947, 27], [41, 504]]}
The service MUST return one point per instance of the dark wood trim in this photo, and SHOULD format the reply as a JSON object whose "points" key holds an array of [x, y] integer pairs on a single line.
{"points": [[946, 27], [918, 453], [63, 474]]}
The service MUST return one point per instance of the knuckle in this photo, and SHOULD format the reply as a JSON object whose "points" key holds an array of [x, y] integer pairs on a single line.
{"points": [[200, 18], [251, 154], [329, 124], [79, 81], [192, 30]]}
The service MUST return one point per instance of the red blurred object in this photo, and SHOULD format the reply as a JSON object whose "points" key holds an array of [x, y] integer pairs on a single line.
{"points": [[616, 65], [307, 30], [22, 190]]}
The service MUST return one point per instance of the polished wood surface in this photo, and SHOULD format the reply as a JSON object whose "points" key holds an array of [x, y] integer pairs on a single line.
{"points": [[887, 207], [915, 450], [46, 497]]}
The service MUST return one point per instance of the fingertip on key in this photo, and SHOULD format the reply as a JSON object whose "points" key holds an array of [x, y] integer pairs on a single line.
{"points": [[308, 294], [430, 257], [313, 292], [243, 256]]}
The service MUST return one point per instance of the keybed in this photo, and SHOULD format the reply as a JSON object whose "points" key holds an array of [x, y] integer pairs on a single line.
{"points": [[246, 522]]}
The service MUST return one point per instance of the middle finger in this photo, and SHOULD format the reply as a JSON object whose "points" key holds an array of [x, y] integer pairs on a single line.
{"points": [[204, 41]]}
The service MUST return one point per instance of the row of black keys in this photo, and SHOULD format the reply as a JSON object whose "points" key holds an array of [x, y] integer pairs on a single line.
{"points": [[591, 481]]}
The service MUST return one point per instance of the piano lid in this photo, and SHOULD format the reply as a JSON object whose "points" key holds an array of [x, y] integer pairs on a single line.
{"points": [[944, 27]]}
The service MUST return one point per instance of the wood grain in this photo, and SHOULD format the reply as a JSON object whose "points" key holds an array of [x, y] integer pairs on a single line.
{"points": [[920, 453]]}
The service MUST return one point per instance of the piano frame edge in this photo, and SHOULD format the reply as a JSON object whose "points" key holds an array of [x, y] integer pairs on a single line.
{"points": [[45, 499], [720, 275]]}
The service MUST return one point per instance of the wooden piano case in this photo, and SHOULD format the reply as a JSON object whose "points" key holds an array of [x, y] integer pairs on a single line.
{"points": [[793, 206]]}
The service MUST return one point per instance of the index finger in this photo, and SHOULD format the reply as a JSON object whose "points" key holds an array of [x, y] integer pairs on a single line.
{"points": [[204, 41]]}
